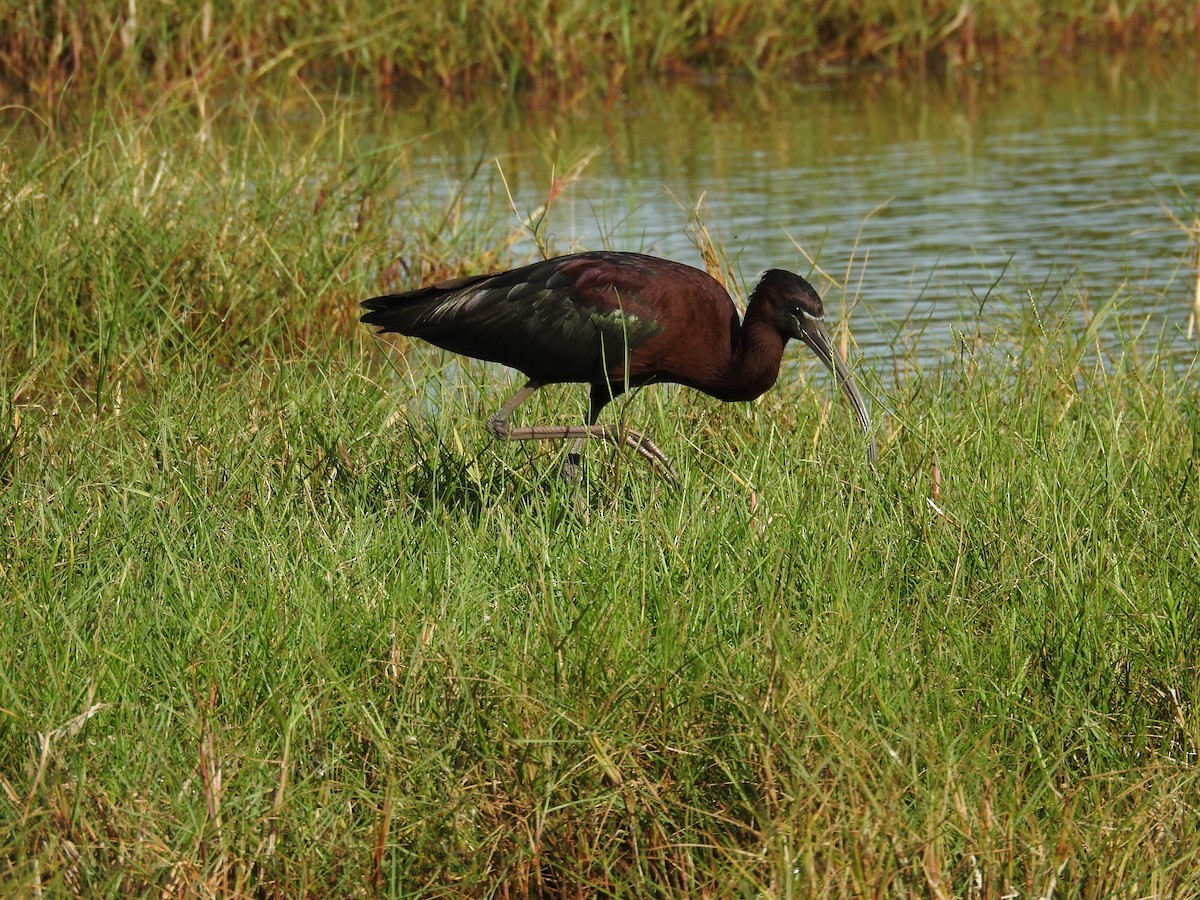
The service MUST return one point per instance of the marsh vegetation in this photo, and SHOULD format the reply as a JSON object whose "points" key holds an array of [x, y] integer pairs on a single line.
{"points": [[278, 618]]}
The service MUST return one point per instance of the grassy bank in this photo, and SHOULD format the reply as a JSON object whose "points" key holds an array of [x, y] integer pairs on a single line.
{"points": [[279, 618], [542, 45]]}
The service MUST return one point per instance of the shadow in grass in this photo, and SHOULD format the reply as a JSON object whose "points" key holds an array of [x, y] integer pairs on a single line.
{"points": [[429, 477], [478, 482], [421, 473]]}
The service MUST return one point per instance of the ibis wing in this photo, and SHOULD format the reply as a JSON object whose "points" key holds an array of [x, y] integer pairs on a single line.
{"points": [[575, 318]]}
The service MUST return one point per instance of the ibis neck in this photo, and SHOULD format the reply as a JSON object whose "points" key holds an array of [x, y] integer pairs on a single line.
{"points": [[754, 363]]}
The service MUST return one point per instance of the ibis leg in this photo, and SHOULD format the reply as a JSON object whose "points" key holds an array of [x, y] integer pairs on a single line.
{"points": [[498, 427], [571, 469], [497, 423]]}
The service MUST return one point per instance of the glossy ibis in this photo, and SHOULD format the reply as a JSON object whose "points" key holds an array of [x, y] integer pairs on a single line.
{"points": [[617, 321]]}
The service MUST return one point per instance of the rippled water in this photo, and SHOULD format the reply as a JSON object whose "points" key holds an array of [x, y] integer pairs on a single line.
{"points": [[926, 194]]}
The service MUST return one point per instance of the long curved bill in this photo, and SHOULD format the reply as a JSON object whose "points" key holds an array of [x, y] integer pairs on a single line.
{"points": [[813, 333]]}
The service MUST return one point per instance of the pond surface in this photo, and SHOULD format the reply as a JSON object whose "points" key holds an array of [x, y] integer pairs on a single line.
{"points": [[920, 198]]}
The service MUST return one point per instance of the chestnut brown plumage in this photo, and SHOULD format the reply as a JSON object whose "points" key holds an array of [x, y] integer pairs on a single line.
{"points": [[617, 321]]}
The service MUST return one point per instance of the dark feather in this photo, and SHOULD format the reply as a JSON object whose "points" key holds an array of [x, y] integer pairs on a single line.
{"points": [[572, 319]]}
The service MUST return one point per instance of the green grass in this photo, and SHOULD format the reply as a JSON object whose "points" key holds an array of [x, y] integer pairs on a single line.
{"points": [[279, 618], [550, 45]]}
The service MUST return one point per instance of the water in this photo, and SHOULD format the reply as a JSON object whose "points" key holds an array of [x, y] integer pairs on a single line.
{"points": [[918, 197]]}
